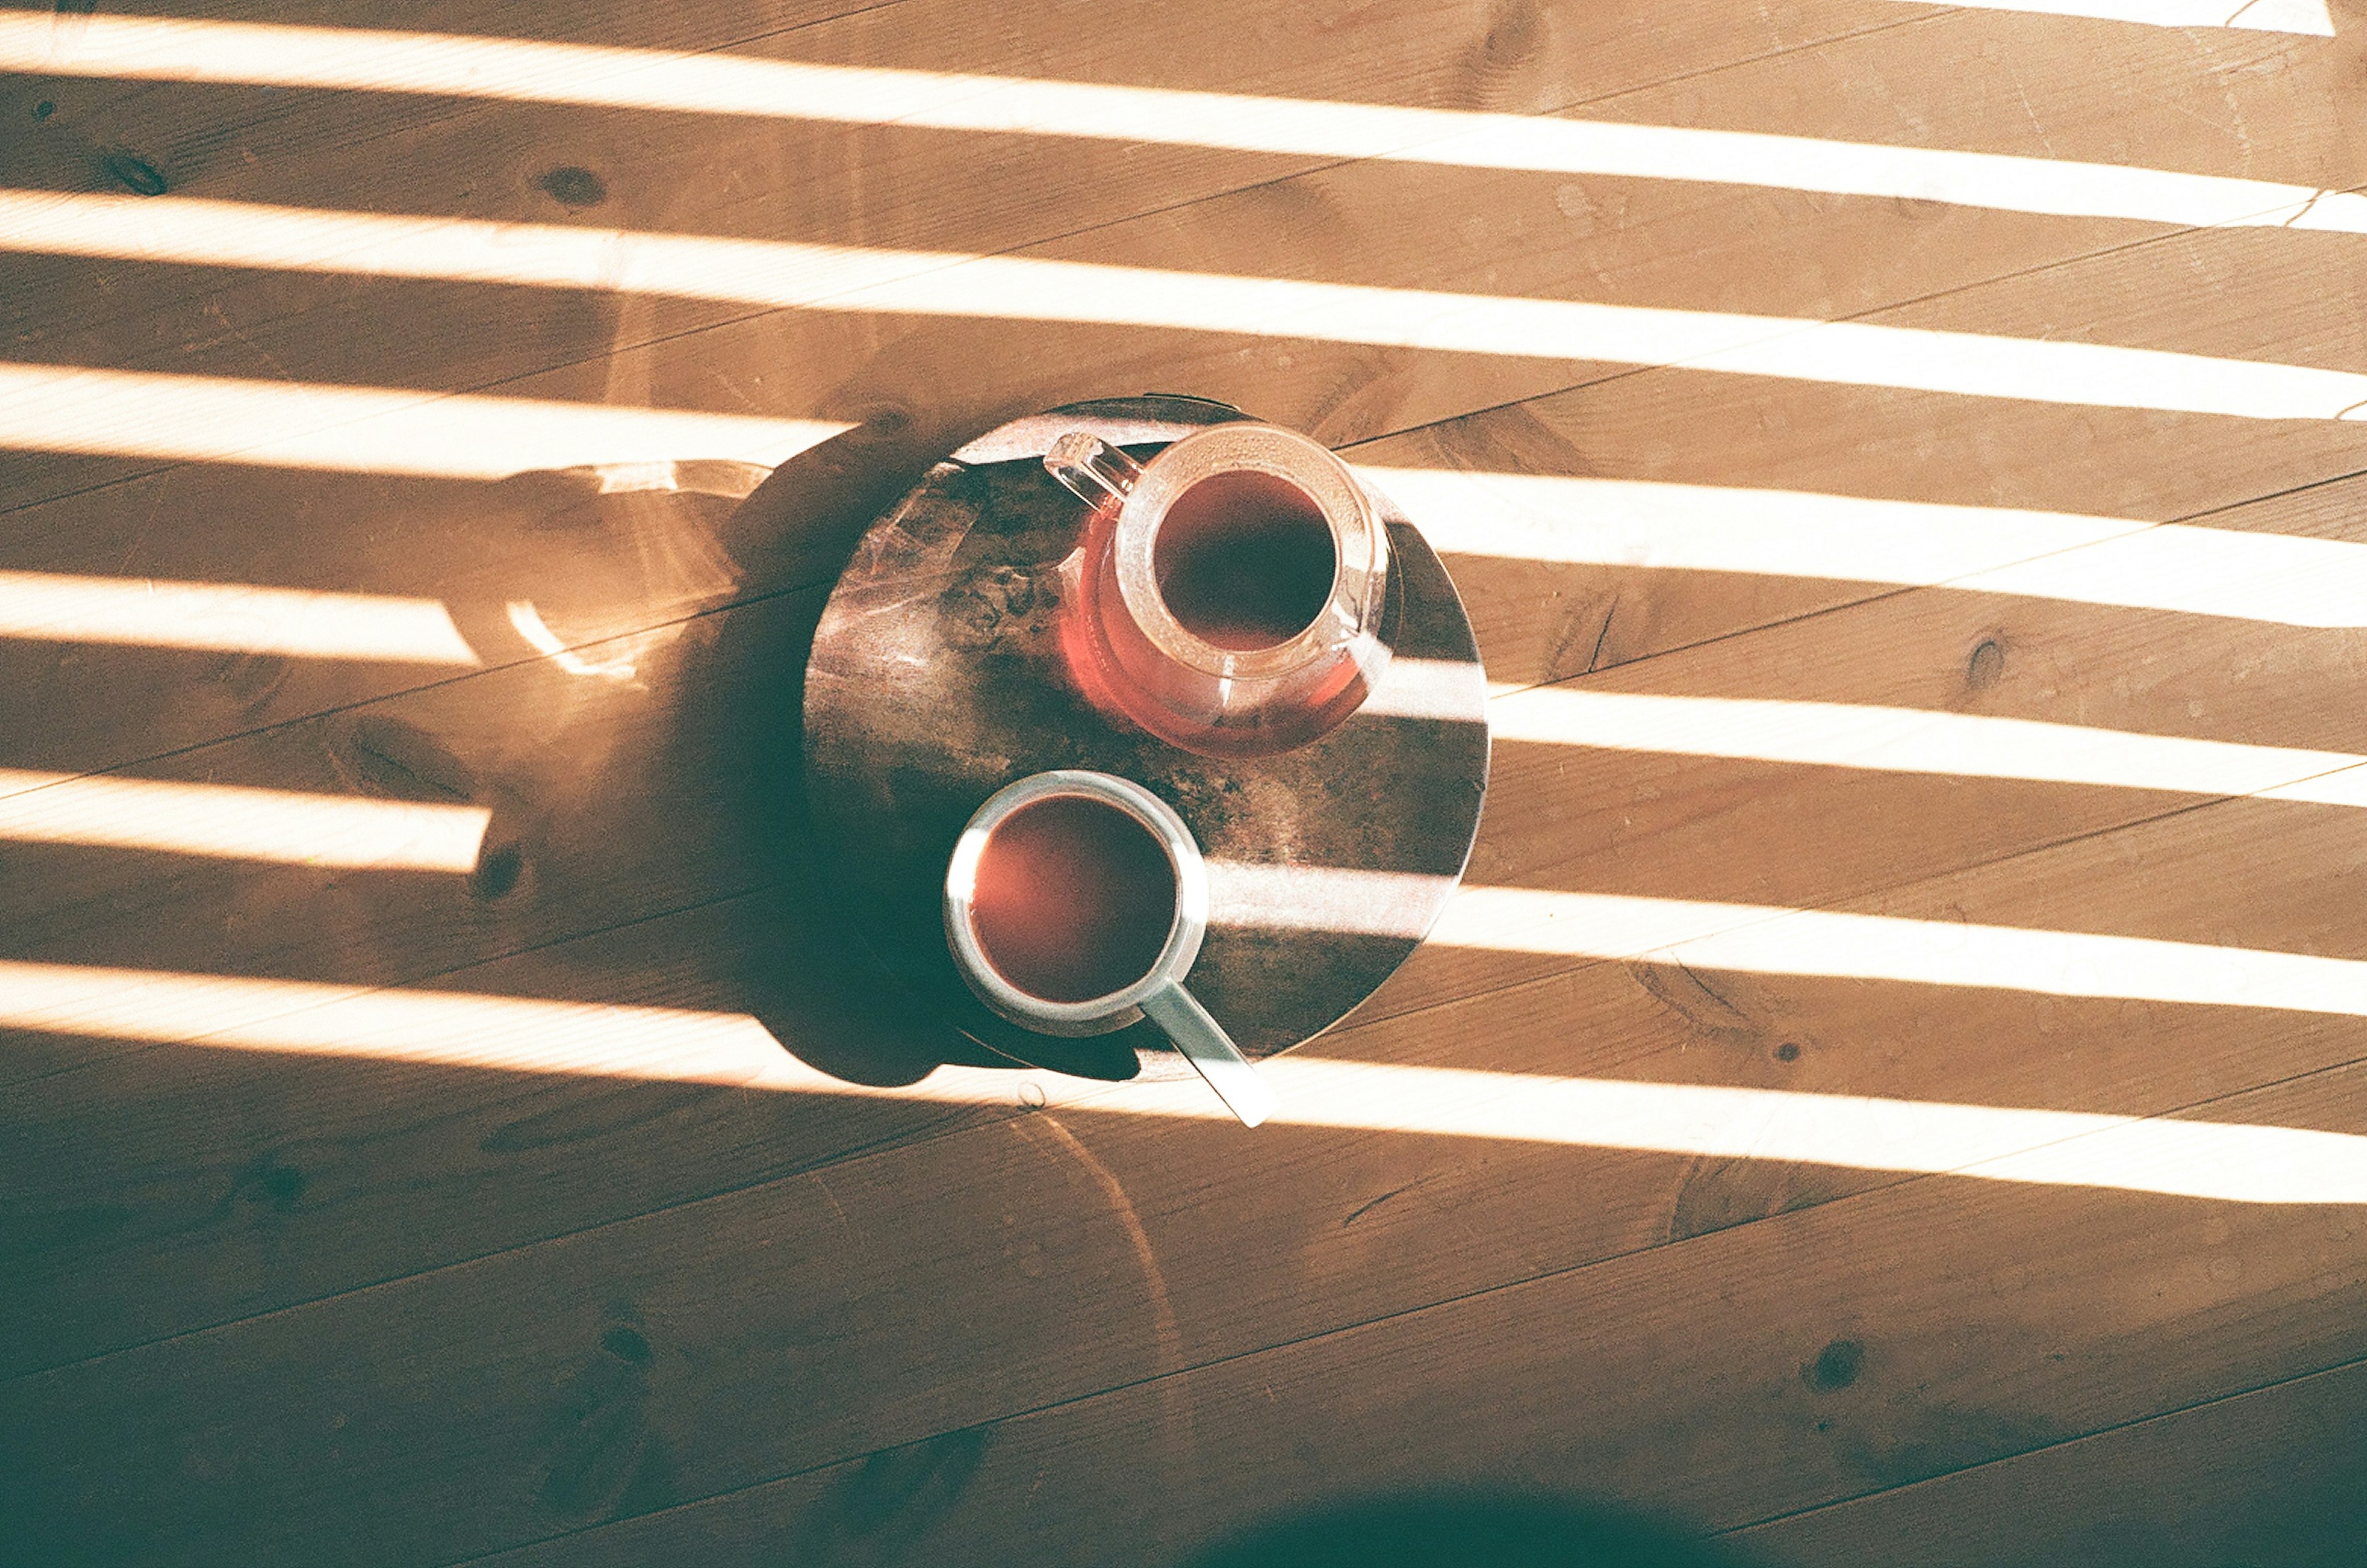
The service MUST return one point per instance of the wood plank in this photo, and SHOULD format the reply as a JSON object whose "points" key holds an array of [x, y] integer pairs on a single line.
{"points": [[1126, 337], [394, 1139], [1915, 1330], [1047, 1341], [2311, 17], [596, 23], [271, 326], [1541, 620], [2259, 1477], [1975, 1337], [1881, 101], [804, 179], [303, 1171]]}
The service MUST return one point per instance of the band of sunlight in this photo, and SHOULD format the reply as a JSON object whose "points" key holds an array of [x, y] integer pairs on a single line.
{"points": [[846, 278], [1772, 940], [2264, 16], [2232, 1162], [230, 617], [2285, 579], [1921, 741], [1439, 690], [720, 83], [381, 429], [233, 822]]}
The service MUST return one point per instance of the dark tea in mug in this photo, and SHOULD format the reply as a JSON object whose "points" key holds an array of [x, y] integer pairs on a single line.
{"points": [[1245, 560], [1073, 899]]}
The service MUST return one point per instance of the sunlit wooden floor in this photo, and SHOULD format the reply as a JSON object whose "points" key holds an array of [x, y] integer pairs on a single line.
{"points": [[1893, 1090]]}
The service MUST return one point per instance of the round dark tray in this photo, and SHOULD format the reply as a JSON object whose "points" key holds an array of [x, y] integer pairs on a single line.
{"points": [[935, 679]]}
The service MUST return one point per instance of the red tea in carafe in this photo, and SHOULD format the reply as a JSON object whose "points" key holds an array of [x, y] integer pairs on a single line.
{"points": [[1227, 595], [1244, 560]]}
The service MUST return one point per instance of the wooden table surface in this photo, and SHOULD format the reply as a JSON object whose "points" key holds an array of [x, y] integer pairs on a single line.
{"points": [[1893, 1088]]}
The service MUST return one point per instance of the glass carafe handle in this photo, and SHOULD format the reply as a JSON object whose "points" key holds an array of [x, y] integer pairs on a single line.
{"points": [[1095, 471]]}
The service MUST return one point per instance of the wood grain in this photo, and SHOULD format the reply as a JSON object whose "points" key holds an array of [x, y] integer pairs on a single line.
{"points": [[2248, 1479], [1475, 1224], [1983, 1326], [1723, 1378], [1662, 245]]}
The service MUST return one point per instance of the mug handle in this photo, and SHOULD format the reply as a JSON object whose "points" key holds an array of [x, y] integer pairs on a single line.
{"points": [[1094, 471], [1207, 1047]]}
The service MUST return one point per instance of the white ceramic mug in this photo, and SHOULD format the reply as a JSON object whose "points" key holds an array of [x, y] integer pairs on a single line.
{"points": [[1074, 905]]}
